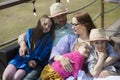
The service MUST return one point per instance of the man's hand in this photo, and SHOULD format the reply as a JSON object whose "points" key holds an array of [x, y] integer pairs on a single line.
{"points": [[23, 49]]}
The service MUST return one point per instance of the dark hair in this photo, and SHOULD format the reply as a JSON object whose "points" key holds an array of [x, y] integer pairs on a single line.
{"points": [[52, 27], [38, 30], [85, 19]]}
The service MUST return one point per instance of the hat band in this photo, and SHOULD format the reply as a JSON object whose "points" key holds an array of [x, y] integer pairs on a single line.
{"points": [[102, 38], [59, 12]]}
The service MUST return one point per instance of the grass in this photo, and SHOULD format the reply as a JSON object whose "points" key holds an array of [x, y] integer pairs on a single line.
{"points": [[15, 20]]}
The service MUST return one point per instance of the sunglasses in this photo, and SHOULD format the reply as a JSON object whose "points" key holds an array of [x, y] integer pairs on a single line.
{"points": [[75, 24]]}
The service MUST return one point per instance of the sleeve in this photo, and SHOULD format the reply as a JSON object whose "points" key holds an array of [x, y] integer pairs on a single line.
{"points": [[111, 51], [78, 66], [61, 47], [91, 61], [45, 54], [71, 78]]}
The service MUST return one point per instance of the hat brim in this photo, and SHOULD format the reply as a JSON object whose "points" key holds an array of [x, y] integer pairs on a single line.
{"points": [[59, 14], [105, 39]]}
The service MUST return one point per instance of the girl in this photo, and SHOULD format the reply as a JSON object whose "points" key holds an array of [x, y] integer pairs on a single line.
{"points": [[55, 71], [101, 56], [39, 41]]}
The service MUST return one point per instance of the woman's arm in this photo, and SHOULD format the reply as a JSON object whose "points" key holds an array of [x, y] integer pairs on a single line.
{"points": [[65, 62], [62, 47], [112, 56], [110, 60], [117, 48]]}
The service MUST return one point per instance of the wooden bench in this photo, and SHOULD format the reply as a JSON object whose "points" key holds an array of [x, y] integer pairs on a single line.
{"points": [[6, 54], [114, 31]]}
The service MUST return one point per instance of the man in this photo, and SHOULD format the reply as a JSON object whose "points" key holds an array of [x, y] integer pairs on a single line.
{"points": [[58, 12]]}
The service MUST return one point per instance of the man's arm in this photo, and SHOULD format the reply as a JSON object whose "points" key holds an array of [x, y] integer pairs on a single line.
{"points": [[21, 38], [23, 47]]}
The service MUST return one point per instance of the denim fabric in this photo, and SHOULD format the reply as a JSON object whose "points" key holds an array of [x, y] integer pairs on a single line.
{"points": [[34, 74]]}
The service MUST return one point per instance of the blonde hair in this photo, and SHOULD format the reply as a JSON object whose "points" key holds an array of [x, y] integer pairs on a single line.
{"points": [[77, 45]]}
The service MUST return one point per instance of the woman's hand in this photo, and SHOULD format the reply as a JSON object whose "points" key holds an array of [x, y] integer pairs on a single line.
{"points": [[65, 62], [32, 63]]}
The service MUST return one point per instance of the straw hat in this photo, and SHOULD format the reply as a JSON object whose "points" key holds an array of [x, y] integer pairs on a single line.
{"points": [[97, 34], [57, 9]]}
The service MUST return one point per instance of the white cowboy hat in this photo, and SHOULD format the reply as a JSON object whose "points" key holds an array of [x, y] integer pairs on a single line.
{"points": [[57, 9], [97, 34]]}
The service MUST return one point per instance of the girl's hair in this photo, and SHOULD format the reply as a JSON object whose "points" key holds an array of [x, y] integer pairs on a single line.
{"points": [[85, 19], [77, 45], [38, 30], [52, 27]]}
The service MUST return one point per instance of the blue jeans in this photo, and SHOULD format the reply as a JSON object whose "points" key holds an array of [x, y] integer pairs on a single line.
{"points": [[34, 74]]}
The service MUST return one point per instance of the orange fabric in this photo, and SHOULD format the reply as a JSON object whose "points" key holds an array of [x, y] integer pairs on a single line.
{"points": [[49, 74]]}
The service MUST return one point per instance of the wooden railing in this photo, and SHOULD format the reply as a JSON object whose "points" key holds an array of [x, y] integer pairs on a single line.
{"points": [[10, 3]]}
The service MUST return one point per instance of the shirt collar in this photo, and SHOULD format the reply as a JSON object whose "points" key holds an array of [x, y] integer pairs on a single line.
{"points": [[61, 27]]}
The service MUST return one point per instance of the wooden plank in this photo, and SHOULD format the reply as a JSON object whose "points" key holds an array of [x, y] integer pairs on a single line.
{"points": [[113, 1], [10, 3], [114, 31]]}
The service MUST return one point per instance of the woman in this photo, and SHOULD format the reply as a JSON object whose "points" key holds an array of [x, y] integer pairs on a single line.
{"points": [[81, 24], [39, 41], [100, 55], [78, 56]]}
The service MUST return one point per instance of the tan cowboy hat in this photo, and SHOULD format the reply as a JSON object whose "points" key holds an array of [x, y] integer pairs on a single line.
{"points": [[57, 9], [97, 34]]}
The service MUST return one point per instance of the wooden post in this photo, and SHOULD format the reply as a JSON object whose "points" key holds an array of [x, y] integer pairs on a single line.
{"points": [[57, 1], [10, 3], [102, 14]]}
